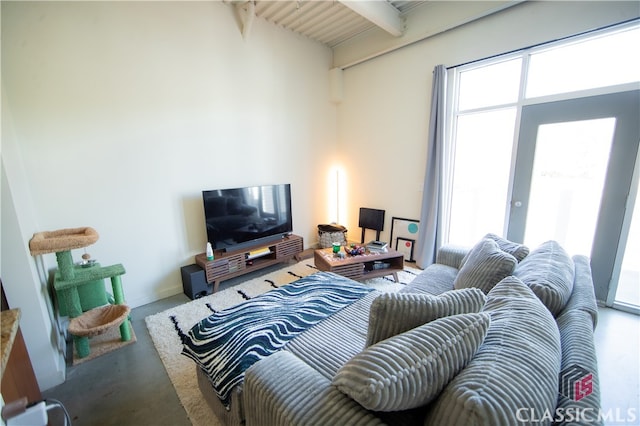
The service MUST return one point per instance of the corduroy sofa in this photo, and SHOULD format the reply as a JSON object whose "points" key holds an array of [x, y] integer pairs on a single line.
{"points": [[492, 335]]}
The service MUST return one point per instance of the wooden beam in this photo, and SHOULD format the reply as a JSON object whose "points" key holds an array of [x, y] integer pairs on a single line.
{"points": [[380, 12], [247, 12]]}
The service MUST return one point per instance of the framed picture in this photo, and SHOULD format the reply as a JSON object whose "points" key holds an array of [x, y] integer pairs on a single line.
{"points": [[404, 231], [405, 246]]}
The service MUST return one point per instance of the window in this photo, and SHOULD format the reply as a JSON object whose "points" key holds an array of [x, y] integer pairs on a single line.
{"points": [[487, 103], [494, 84], [482, 164], [596, 62]]}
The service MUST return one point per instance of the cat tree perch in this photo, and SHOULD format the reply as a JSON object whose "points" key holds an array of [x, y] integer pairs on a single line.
{"points": [[70, 278]]}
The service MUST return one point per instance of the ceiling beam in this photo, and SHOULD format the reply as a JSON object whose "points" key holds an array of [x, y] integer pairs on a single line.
{"points": [[246, 12], [380, 12]]}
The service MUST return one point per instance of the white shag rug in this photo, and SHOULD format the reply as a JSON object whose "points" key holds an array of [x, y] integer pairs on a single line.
{"points": [[181, 370]]}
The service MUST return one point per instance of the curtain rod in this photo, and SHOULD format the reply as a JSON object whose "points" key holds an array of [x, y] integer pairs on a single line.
{"points": [[544, 43]]}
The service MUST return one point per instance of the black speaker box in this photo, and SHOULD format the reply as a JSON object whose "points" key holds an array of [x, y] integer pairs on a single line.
{"points": [[194, 282]]}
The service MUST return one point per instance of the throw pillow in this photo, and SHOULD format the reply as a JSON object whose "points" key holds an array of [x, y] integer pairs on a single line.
{"points": [[516, 367], [485, 266], [549, 272], [517, 250], [409, 370], [395, 313]]}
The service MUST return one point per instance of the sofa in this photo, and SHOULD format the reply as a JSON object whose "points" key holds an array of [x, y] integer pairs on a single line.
{"points": [[494, 334]]}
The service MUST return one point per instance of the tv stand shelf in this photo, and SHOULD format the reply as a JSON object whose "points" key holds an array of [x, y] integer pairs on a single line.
{"points": [[239, 262]]}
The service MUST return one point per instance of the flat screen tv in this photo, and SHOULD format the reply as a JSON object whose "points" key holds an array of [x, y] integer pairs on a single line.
{"points": [[240, 217]]}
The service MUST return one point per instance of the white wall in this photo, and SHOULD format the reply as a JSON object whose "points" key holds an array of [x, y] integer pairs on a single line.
{"points": [[21, 281], [384, 117], [125, 111]]}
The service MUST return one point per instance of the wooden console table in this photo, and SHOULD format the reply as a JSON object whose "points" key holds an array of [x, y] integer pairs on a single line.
{"points": [[362, 267], [234, 263]]}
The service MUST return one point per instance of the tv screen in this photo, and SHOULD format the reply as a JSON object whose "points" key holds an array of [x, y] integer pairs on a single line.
{"points": [[240, 217]]}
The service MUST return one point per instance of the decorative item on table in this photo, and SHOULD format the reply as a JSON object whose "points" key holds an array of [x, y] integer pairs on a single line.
{"points": [[377, 246], [355, 249], [329, 233], [336, 247], [209, 251], [87, 261], [377, 265]]}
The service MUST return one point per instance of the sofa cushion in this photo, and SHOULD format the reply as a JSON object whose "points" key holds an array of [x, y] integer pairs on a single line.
{"points": [[485, 266], [435, 279], [517, 365], [395, 313], [579, 364], [283, 390], [549, 272], [452, 255], [583, 295], [517, 250], [410, 369], [328, 345]]}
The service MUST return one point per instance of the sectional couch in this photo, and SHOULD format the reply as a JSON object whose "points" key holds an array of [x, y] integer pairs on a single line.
{"points": [[491, 335]]}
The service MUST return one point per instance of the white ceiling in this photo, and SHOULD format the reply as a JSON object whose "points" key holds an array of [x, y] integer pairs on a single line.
{"points": [[329, 22]]}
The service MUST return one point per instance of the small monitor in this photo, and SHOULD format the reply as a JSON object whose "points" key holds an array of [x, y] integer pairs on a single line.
{"points": [[371, 219]]}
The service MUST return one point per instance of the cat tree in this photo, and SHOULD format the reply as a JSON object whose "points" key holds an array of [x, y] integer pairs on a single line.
{"points": [[71, 277]]}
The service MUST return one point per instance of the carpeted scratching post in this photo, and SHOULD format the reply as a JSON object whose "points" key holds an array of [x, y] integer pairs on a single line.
{"points": [[65, 265], [70, 278]]}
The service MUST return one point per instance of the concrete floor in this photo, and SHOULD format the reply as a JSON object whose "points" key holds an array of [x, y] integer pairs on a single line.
{"points": [[126, 387], [130, 386], [617, 339]]}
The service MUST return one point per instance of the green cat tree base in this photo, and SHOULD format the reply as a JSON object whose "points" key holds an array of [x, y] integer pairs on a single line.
{"points": [[68, 289], [70, 279]]}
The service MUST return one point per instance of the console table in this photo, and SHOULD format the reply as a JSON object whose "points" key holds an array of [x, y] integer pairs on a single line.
{"points": [[361, 267], [239, 262]]}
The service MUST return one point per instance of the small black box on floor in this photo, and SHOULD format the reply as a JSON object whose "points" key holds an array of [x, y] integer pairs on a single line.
{"points": [[194, 282]]}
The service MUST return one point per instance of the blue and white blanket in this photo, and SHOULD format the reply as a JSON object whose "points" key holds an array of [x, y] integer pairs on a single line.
{"points": [[228, 342]]}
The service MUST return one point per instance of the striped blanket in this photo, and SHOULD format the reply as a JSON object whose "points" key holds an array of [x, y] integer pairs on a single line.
{"points": [[228, 342]]}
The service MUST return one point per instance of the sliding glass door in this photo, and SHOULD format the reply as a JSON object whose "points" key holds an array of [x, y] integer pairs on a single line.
{"points": [[573, 173]]}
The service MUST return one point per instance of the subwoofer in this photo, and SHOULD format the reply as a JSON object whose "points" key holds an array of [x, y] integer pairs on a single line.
{"points": [[194, 282]]}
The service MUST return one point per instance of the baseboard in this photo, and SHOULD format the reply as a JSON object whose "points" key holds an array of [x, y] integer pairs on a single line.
{"points": [[162, 294], [306, 254], [53, 378]]}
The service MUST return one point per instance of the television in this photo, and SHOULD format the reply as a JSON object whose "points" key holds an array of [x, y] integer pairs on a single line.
{"points": [[237, 218]]}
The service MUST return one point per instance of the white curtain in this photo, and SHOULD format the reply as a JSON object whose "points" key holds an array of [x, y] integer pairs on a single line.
{"points": [[432, 218]]}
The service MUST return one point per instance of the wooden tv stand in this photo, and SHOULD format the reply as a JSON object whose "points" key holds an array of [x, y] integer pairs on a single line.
{"points": [[239, 262]]}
